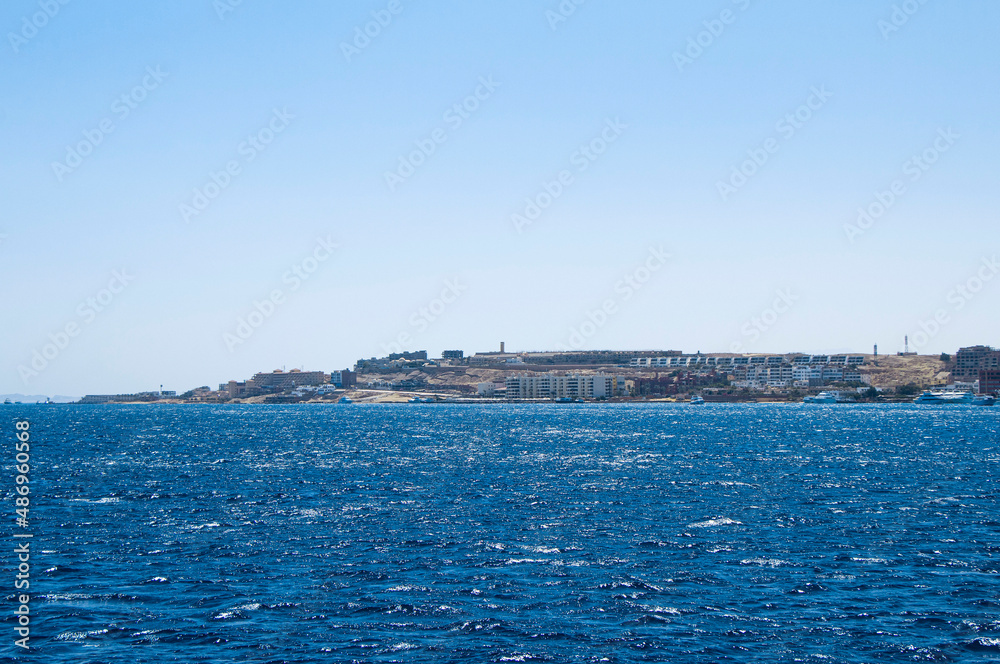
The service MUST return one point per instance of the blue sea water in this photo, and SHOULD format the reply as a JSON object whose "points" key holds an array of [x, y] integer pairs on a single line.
{"points": [[499, 533]]}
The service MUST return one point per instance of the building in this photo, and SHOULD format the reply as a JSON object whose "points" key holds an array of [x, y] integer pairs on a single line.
{"points": [[782, 374], [452, 354], [123, 398], [239, 389], [344, 378], [851, 376], [970, 361], [989, 381], [286, 381], [409, 356], [101, 398], [831, 375], [553, 386]]}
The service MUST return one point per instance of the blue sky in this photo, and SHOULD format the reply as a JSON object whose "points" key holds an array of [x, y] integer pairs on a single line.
{"points": [[335, 124]]}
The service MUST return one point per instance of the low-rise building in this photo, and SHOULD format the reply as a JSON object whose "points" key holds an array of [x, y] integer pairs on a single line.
{"points": [[283, 381], [409, 355], [344, 378], [555, 386], [832, 375]]}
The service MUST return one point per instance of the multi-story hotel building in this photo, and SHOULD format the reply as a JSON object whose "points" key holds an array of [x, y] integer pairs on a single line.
{"points": [[552, 386], [970, 361]]}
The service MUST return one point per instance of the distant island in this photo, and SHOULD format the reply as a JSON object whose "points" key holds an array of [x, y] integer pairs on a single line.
{"points": [[604, 376]]}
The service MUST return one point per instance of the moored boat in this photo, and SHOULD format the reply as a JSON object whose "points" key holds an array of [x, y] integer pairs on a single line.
{"points": [[948, 398], [830, 396]]}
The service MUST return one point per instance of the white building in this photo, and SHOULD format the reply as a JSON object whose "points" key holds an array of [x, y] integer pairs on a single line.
{"points": [[831, 375], [552, 386]]}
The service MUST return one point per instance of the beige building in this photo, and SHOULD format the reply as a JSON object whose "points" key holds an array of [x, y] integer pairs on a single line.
{"points": [[553, 386]]}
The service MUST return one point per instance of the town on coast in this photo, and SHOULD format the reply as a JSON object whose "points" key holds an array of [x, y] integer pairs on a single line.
{"points": [[609, 375]]}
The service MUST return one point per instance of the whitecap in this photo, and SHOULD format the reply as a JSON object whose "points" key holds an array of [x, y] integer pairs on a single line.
{"points": [[205, 525], [542, 549], [407, 589], [712, 523], [764, 562], [403, 646]]}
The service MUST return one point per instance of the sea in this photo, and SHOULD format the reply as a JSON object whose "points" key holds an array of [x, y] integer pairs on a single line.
{"points": [[507, 533]]}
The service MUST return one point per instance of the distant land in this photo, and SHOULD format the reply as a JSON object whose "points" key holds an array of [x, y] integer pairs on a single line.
{"points": [[37, 398], [616, 375]]}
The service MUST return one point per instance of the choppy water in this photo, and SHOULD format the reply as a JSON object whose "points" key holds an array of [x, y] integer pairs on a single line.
{"points": [[564, 533]]}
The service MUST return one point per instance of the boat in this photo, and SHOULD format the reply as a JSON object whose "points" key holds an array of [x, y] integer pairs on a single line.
{"points": [[696, 399], [984, 400], [7, 402], [345, 400], [830, 396], [948, 398]]}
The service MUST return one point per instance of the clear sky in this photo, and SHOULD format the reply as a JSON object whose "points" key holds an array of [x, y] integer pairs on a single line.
{"points": [[168, 165]]}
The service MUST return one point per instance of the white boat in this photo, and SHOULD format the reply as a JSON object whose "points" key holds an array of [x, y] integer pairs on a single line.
{"points": [[831, 396], [696, 399], [345, 400], [947, 398]]}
